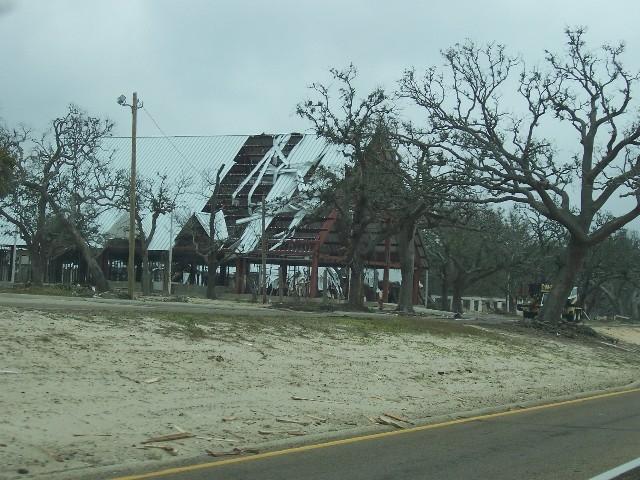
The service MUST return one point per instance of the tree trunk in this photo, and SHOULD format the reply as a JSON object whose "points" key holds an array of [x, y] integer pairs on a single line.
{"points": [[355, 285], [38, 262], [212, 265], [444, 289], [556, 300], [406, 251], [458, 290], [96, 273], [146, 274]]}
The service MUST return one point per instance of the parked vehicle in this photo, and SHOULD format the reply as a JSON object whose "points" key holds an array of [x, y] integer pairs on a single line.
{"points": [[538, 293]]}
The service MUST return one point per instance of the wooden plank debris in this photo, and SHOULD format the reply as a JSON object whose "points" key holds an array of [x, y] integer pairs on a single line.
{"points": [[167, 448], [399, 418], [169, 437], [317, 419], [235, 451], [384, 420], [288, 420]]}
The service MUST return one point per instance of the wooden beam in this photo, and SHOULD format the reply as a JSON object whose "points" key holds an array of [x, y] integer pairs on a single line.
{"points": [[385, 276]]}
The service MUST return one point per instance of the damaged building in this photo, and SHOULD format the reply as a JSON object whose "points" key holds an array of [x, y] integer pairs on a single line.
{"points": [[305, 251]]}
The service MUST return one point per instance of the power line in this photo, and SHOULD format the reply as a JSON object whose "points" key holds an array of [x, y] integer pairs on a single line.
{"points": [[168, 139]]}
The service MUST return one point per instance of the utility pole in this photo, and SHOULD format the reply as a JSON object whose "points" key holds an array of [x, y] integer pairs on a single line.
{"points": [[263, 239], [131, 265], [14, 254], [426, 287], [170, 254]]}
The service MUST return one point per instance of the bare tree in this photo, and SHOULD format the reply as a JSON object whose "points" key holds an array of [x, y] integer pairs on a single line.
{"points": [[67, 177], [212, 253], [7, 165], [472, 118], [352, 123], [417, 188], [156, 196]]}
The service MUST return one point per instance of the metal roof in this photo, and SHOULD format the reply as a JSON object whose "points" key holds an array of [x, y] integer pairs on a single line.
{"points": [[176, 157], [192, 157], [309, 152], [6, 237]]}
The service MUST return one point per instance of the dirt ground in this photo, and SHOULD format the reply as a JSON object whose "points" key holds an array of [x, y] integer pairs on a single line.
{"points": [[625, 333], [80, 392]]}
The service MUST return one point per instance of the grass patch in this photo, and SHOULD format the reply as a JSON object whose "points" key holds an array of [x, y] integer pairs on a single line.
{"points": [[194, 325], [187, 328], [49, 337]]}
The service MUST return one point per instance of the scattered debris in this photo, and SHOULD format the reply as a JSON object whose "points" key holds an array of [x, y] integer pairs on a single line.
{"points": [[233, 433], [400, 419], [294, 397], [615, 346], [217, 358], [235, 451], [23, 471], [296, 433], [220, 439], [229, 419], [56, 456], [385, 420], [317, 419], [287, 420], [121, 375], [12, 372], [169, 437], [92, 435], [167, 448], [152, 380]]}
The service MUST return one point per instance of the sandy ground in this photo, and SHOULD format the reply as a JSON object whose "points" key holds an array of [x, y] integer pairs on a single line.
{"points": [[624, 333], [80, 392]]}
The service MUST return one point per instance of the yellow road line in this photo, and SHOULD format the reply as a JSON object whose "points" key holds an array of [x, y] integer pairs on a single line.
{"points": [[346, 441]]}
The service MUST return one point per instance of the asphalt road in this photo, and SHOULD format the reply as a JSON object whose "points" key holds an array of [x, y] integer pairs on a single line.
{"points": [[574, 441]]}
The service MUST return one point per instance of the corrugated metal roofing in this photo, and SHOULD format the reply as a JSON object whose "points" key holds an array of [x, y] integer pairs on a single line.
{"points": [[175, 157], [192, 156], [310, 151], [6, 237]]}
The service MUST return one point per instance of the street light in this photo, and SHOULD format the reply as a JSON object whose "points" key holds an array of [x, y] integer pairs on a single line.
{"points": [[131, 272]]}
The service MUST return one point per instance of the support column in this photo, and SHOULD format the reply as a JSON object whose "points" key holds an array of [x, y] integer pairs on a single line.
{"points": [[282, 280], [385, 275], [416, 286], [166, 274], [426, 287], [313, 287], [325, 285], [240, 266]]}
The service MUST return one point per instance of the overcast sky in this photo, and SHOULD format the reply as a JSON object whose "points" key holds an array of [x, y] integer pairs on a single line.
{"points": [[222, 67], [240, 67]]}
